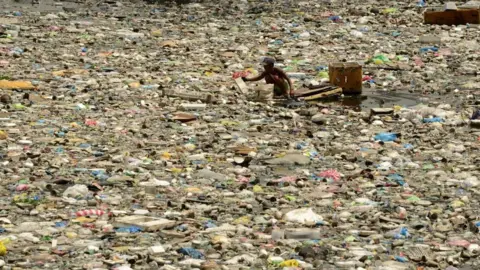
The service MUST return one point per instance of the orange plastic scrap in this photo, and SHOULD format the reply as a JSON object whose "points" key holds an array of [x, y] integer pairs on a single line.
{"points": [[19, 85]]}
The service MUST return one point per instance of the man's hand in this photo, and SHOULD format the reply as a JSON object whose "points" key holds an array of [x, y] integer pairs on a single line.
{"points": [[292, 94]]}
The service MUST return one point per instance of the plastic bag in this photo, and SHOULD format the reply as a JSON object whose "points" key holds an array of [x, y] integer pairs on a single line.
{"points": [[397, 178], [380, 59], [433, 120], [130, 229], [289, 263], [303, 216], [330, 174], [429, 49], [188, 251], [400, 233], [386, 137], [76, 191], [3, 249]]}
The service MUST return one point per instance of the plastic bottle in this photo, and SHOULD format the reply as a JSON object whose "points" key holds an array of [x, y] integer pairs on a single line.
{"points": [[401, 259]]}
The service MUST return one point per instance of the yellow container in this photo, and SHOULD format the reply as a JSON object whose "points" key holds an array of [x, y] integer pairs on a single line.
{"points": [[348, 76]]}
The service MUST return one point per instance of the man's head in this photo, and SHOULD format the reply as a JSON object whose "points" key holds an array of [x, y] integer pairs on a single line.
{"points": [[268, 63]]}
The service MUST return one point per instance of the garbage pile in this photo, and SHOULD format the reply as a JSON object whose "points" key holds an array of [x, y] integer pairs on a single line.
{"points": [[126, 143]]}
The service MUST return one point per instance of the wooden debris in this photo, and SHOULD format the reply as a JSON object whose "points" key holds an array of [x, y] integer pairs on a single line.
{"points": [[336, 91], [313, 91]]}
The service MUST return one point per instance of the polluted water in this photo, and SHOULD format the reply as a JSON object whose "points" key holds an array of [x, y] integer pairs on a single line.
{"points": [[129, 140]]}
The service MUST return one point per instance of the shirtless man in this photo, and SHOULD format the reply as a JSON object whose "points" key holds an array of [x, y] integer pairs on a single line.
{"points": [[273, 75]]}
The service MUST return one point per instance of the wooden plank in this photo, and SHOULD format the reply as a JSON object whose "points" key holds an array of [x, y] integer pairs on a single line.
{"points": [[337, 91], [452, 17], [241, 86], [311, 87], [314, 91]]}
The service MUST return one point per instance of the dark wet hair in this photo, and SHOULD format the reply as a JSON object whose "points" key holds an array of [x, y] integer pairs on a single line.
{"points": [[268, 61]]}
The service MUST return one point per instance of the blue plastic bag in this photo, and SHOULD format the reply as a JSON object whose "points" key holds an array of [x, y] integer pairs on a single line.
{"points": [[130, 229], [188, 251], [386, 137], [429, 49], [61, 224], [397, 178], [408, 146], [182, 227], [335, 18], [209, 224], [433, 120], [402, 233]]}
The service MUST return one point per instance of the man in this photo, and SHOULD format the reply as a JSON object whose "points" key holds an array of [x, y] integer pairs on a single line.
{"points": [[282, 84]]}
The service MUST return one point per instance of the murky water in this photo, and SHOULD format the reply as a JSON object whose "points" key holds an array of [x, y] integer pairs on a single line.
{"points": [[378, 99]]}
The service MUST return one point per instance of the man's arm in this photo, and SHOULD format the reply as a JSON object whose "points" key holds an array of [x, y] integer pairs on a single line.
{"points": [[254, 79], [285, 76]]}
